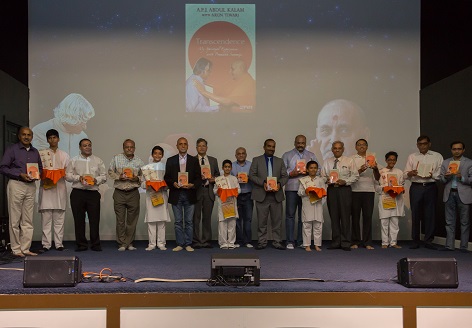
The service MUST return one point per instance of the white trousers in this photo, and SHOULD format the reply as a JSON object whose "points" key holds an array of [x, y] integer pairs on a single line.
{"points": [[20, 209], [310, 227], [227, 232], [390, 229], [157, 231], [49, 219]]}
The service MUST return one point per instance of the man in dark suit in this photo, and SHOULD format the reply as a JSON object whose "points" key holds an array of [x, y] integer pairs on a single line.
{"points": [[205, 197], [268, 200], [183, 196], [456, 174]]}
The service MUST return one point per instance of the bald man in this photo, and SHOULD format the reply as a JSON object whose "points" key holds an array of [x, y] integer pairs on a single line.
{"points": [[341, 120]]}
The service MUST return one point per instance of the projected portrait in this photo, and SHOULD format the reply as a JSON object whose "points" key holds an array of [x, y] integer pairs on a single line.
{"points": [[70, 120], [339, 120], [195, 100]]}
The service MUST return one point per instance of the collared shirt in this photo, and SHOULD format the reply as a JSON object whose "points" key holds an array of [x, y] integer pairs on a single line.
{"points": [[366, 178], [183, 162], [290, 160], [271, 163], [55, 198], [346, 168], [237, 168], [120, 162], [80, 165], [431, 157], [16, 157]]}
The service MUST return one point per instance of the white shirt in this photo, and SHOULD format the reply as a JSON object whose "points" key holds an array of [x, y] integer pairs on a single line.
{"points": [[80, 165], [346, 167], [55, 198], [366, 178], [431, 157]]}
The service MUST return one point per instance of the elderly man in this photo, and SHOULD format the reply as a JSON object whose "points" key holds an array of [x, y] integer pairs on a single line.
{"points": [[125, 170], [268, 200], [205, 197], [341, 120], [423, 190], [195, 100], [245, 204], [345, 173], [70, 119], [457, 195], [183, 196], [86, 172], [295, 161], [21, 190]]}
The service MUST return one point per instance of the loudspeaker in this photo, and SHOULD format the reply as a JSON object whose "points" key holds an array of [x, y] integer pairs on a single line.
{"points": [[52, 271], [235, 270], [428, 272]]}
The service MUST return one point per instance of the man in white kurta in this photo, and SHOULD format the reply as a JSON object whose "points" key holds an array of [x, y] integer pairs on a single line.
{"points": [[53, 197]]}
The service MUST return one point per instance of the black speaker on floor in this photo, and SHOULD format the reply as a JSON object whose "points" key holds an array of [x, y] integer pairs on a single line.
{"points": [[428, 272], [52, 271]]}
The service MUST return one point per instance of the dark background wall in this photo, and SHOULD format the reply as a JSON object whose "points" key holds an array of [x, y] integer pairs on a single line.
{"points": [[446, 73]]}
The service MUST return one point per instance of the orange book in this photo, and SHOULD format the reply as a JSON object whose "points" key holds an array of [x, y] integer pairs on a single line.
{"points": [[301, 165], [453, 167], [182, 178], [242, 177], [89, 179], [32, 169], [333, 176], [271, 183], [128, 172], [206, 171], [370, 160], [392, 180]]}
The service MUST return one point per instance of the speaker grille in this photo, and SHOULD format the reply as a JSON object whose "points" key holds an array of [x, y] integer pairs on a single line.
{"points": [[428, 273], [51, 271]]}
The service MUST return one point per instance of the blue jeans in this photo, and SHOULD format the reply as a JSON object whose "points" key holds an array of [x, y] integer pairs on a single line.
{"points": [[452, 205], [183, 211], [243, 223], [292, 203]]}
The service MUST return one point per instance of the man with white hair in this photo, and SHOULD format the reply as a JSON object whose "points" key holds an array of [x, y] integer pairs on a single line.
{"points": [[70, 120]]}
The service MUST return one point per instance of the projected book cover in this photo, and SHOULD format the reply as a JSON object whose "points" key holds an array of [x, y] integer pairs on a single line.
{"points": [[220, 58]]}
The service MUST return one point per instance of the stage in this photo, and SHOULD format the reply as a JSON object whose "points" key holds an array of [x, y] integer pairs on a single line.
{"points": [[360, 278]]}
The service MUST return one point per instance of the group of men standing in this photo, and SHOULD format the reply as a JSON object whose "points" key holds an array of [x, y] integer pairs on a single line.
{"points": [[193, 203]]}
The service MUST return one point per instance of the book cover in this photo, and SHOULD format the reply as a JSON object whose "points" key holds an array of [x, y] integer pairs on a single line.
{"points": [[301, 165], [206, 171], [307, 182], [182, 179], [453, 167], [392, 180], [370, 160], [225, 36], [89, 179], [229, 208], [243, 177], [333, 176], [48, 184], [32, 169], [128, 172], [388, 202], [424, 170], [157, 198], [271, 183]]}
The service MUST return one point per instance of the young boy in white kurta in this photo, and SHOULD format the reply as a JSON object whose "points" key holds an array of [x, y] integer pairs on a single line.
{"points": [[227, 225], [156, 216], [312, 213], [390, 208], [53, 196]]}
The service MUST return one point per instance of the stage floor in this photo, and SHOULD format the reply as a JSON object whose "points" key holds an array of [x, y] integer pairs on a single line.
{"points": [[360, 270]]}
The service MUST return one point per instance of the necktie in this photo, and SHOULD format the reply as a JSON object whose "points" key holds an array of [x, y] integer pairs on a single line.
{"points": [[335, 164], [203, 161], [269, 167]]}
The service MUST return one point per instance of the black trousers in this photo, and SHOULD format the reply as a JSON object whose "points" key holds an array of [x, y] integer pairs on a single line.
{"points": [[339, 208], [362, 201], [86, 202], [423, 200]]}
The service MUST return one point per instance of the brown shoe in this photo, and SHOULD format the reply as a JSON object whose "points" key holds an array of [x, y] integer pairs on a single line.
{"points": [[396, 246], [384, 246]]}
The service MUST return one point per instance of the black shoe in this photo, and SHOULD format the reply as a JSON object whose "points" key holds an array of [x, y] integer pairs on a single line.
{"points": [[196, 245], [97, 248], [445, 249], [60, 249], [347, 249], [279, 247], [43, 250], [333, 247], [259, 247], [81, 249], [415, 246], [430, 246], [207, 245]]}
